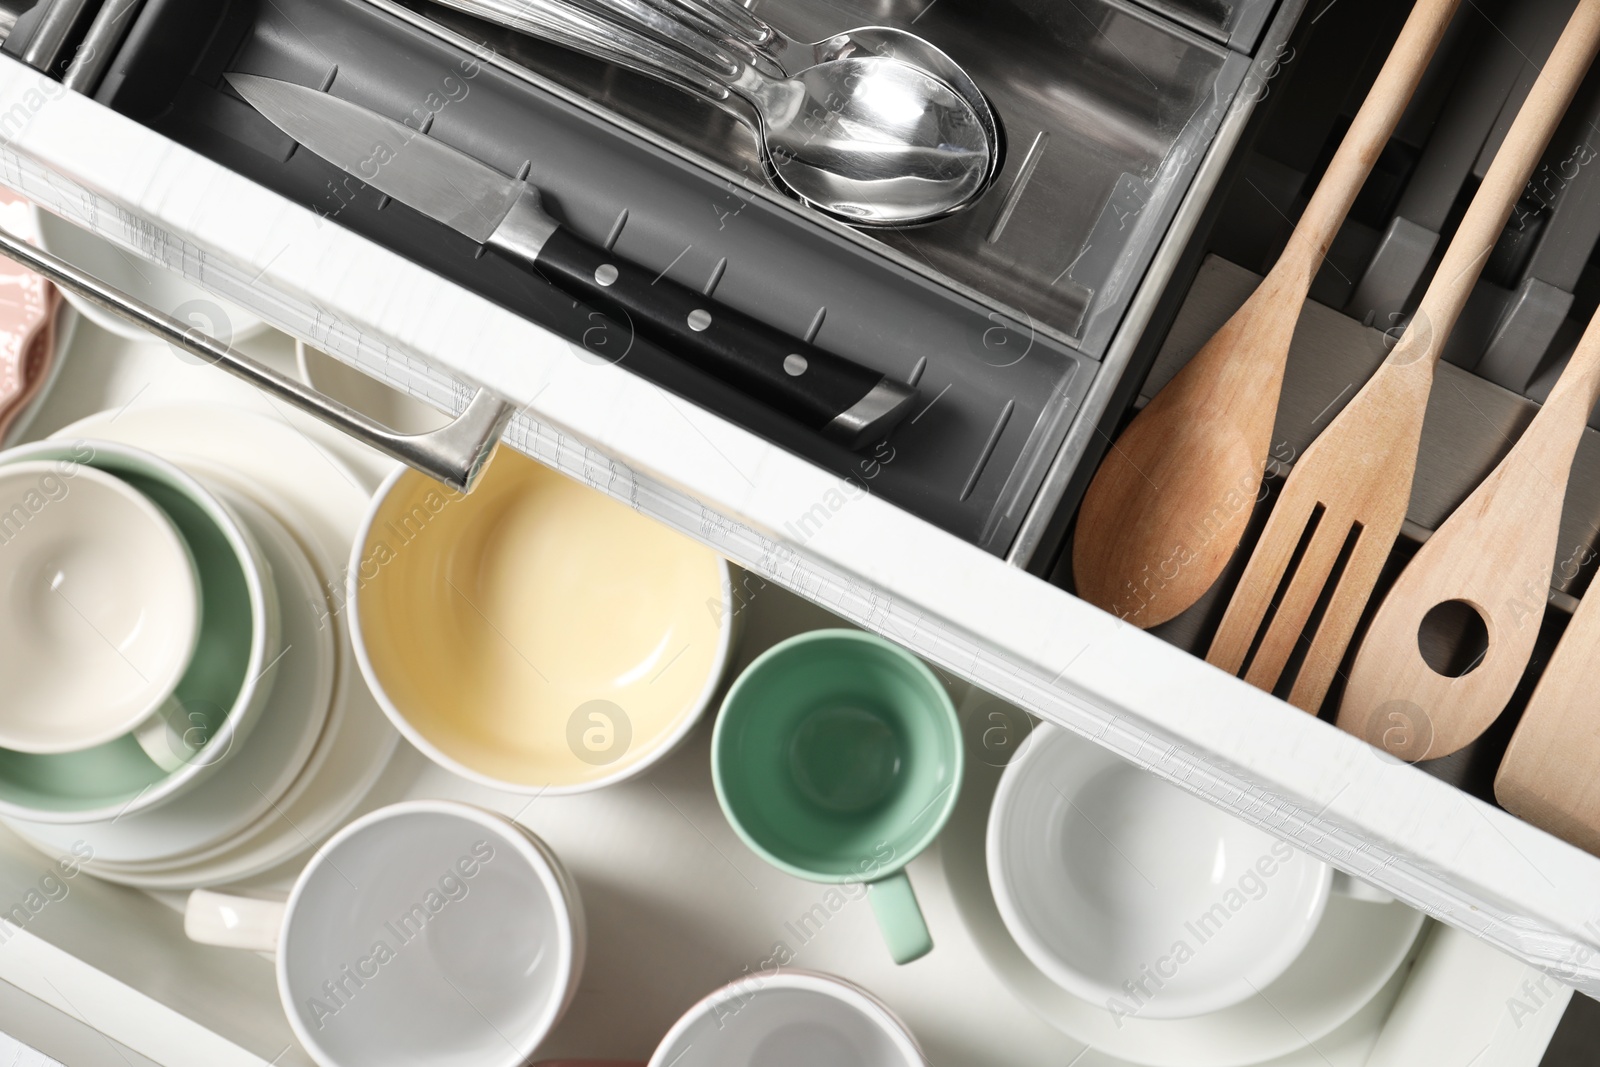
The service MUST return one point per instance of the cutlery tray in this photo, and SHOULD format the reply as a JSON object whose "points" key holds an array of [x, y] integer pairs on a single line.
{"points": [[1535, 296], [995, 396], [999, 316]]}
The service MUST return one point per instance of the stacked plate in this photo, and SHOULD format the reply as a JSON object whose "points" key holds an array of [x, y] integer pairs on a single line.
{"points": [[242, 735]]}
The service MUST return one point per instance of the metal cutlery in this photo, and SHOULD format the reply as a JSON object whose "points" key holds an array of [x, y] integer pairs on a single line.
{"points": [[730, 21], [1495, 554], [1171, 500], [868, 139], [842, 400], [1342, 506]]}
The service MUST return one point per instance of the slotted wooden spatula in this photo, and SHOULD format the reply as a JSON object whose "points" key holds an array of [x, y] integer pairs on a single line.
{"points": [[1550, 775], [1495, 553], [1347, 496], [1171, 500]]}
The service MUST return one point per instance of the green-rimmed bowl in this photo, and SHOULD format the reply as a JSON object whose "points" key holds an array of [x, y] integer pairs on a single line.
{"points": [[227, 680]]}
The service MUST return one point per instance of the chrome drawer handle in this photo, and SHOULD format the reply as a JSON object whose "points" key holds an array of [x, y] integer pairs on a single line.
{"points": [[454, 454]]}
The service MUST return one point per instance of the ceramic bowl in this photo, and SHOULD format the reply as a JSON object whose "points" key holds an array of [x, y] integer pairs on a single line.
{"points": [[99, 607], [260, 775], [156, 285], [1130, 893], [227, 681], [535, 636], [789, 1017]]}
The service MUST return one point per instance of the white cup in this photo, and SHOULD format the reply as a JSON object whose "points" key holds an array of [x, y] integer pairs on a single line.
{"points": [[425, 932], [99, 611], [1132, 894], [789, 1019]]}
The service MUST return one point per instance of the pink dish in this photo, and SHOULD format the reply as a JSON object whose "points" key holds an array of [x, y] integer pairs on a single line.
{"points": [[28, 306]]}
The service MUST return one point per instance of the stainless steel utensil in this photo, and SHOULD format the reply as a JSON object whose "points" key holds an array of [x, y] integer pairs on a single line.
{"points": [[868, 139], [730, 22], [840, 399]]}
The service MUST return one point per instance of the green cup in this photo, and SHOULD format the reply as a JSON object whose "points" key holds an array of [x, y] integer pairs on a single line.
{"points": [[837, 757]]}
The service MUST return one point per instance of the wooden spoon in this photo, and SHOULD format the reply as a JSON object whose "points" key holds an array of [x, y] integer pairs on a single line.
{"points": [[1347, 496], [1495, 554], [1550, 775], [1170, 502]]}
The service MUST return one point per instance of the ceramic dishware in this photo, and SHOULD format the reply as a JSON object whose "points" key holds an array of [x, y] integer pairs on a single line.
{"points": [[789, 1019], [225, 685], [99, 612], [1357, 953], [152, 283], [1346, 499], [837, 757], [307, 477], [1130, 893], [427, 931], [261, 773], [535, 636]]}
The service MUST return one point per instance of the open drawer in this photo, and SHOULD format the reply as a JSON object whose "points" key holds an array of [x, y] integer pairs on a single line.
{"points": [[794, 515]]}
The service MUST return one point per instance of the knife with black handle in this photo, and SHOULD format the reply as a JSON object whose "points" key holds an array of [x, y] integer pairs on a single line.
{"points": [[835, 396]]}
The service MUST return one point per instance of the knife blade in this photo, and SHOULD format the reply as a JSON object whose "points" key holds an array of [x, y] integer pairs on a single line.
{"points": [[843, 400]]}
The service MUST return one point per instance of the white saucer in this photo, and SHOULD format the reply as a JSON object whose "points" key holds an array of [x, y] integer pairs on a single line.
{"points": [[269, 759], [323, 501], [1355, 951]]}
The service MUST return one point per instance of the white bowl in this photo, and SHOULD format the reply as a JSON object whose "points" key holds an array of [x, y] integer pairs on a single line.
{"points": [[1132, 894], [99, 607], [229, 725], [781, 1018], [161, 288]]}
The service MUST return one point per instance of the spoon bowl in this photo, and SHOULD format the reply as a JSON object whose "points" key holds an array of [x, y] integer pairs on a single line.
{"points": [[890, 43], [872, 140]]}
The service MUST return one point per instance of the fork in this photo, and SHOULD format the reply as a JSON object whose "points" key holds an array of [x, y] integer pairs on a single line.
{"points": [[1347, 496]]}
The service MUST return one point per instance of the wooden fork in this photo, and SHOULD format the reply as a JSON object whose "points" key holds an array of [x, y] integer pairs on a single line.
{"points": [[1348, 493]]}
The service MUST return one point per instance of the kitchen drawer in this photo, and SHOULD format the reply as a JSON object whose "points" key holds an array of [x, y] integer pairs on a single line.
{"points": [[864, 556], [101, 975]]}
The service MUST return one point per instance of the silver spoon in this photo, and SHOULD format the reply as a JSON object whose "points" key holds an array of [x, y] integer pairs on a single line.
{"points": [[869, 139], [732, 22]]}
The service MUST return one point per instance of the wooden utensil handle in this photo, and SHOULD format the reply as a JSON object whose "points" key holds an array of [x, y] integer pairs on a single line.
{"points": [[1491, 206], [1370, 130]]}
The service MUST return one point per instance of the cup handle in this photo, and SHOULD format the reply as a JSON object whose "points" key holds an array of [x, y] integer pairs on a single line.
{"points": [[900, 918], [1350, 886], [233, 922], [164, 736]]}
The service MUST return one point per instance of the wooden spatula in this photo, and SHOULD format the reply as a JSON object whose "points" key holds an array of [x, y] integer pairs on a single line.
{"points": [[1170, 502], [1550, 775], [1347, 495], [1495, 553]]}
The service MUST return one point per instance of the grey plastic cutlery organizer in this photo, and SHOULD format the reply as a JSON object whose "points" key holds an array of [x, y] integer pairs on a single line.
{"points": [[998, 316], [1539, 288]]}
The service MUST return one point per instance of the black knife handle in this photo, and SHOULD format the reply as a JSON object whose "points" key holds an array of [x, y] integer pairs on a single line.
{"points": [[842, 399]]}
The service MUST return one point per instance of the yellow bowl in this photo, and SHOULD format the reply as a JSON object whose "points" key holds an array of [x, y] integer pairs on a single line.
{"points": [[535, 636]]}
